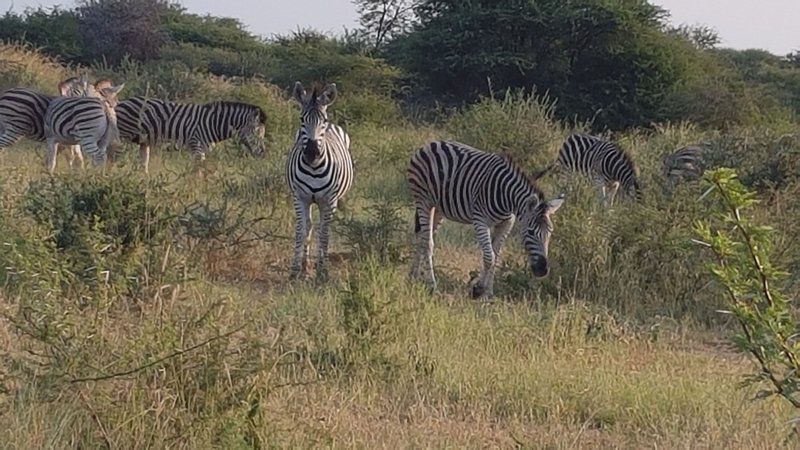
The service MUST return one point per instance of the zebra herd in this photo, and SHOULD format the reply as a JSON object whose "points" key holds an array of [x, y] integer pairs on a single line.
{"points": [[446, 179]]}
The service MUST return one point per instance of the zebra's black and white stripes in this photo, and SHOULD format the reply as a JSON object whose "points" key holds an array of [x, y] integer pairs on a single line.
{"points": [[86, 121], [602, 161], [22, 112], [149, 121], [319, 170], [685, 164], [488, 191]]}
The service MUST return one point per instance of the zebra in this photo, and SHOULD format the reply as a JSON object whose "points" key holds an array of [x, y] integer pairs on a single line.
{"points": [[602, 161], [22, 111], [319, 169], [88, 121], [148, 122], [466, 185], [685, 164]]}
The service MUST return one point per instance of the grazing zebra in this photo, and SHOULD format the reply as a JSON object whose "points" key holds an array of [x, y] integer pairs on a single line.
{"points": [[319, 170], [466, 185], [602, 161], [685, 164], [22, 111], [149, 122], [88, 121]]}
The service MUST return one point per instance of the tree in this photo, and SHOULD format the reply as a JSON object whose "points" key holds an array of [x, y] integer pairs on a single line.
{"points": [[382, 20], [611, 61], [115, 28], [703, 37], [55, 31]]}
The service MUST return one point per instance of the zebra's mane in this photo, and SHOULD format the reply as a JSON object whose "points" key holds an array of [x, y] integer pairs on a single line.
{"points": [[521, 173], [316, 91]]}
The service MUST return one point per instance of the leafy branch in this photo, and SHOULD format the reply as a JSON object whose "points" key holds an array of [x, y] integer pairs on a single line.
{"points": [[741, 249]]}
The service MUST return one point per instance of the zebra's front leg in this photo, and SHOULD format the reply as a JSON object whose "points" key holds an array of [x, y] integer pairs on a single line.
{"points": [[424, 231], [499, 236], [485, 284], [326, 212], [302, 239]]}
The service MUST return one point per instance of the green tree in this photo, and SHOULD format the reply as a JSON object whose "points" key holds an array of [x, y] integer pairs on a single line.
{"points": [[113, 29], [381, 20], [612, 61], [55, 31]]}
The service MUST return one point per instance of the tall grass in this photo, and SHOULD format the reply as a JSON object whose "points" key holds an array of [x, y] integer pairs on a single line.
{"points": [[157, 312]]}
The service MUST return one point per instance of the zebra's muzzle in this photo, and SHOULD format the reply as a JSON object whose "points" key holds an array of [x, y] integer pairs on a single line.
{"points": [[311, 153], [540, 267]]}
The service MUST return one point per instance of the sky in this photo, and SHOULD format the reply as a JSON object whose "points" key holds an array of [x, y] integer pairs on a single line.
{"points": [[765, 24]]}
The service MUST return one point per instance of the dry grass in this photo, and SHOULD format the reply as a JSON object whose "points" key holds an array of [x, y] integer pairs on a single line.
{"points": [[620, 348]]}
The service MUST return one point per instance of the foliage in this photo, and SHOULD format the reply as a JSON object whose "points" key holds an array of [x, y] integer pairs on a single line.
{"points": [[766, 315], [382, 20], [56, 32], [603, 59], [113, 29], [208, 31]]}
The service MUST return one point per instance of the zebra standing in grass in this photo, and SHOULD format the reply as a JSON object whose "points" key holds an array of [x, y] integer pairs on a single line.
{"points": [[685, 164], [602, 161], [87, 121], [319, 170], [22, 111], [149, 121], [466, 185]]}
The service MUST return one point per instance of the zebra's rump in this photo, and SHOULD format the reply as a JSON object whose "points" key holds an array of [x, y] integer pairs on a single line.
{"points": [[71, 119], [23, 110], [460, 181]]}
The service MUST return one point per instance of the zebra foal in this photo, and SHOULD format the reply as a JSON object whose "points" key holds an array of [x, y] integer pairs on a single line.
{"points": [[149, 122], [470, 186], [319, 170]]}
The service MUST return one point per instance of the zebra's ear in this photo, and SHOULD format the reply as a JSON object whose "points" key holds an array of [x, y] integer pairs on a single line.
{"points": [[64, 86], [112, 91], [554, 204], [299, 92], [328, 95]]}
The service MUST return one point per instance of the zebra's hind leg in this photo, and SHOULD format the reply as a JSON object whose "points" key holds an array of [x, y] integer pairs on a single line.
{"points": [[50, 155], [302, 239], [608, 197], [73, 155], [144, 157], [326, 212], [98, 154], [485, 285]]}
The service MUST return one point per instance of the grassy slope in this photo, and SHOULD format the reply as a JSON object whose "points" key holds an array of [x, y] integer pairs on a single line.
{"points": [[597, 355]]}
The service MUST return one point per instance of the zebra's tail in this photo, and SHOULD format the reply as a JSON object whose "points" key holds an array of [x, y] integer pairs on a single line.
{"points": [[111, 136], [543, 172]]}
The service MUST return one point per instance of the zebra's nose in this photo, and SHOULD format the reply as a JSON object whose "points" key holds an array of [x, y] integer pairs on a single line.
{"points": [[540, 267]]}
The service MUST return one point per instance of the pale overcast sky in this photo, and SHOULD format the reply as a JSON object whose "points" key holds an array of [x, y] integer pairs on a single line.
{"points": [[773, 25]]}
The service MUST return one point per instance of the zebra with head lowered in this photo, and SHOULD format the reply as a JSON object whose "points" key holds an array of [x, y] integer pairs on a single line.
{"points": [[22, 111], [86, 121], [149, 122], [319, 170], [466, 185], [603, 162]]}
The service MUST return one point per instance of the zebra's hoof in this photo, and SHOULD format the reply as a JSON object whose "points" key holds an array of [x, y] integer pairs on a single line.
{"points": [[478, 290]]}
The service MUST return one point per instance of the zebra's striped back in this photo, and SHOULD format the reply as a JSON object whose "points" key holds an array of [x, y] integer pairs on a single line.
{"points": [[600, 160], [685, 163], [466, 184], [149, 121]]}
